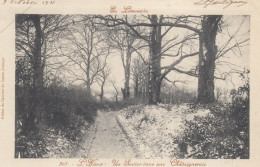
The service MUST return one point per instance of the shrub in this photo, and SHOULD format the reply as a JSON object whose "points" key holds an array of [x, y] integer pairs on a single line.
{"points": [[29, 145], [213, 137], [60, 108], [222, 134]]}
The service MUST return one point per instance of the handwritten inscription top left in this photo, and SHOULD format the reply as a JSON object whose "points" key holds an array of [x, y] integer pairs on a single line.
{"points": [[28, 2]]}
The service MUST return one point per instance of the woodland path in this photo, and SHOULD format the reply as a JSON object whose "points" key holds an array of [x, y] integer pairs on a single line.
{"points": [[105, 139]]}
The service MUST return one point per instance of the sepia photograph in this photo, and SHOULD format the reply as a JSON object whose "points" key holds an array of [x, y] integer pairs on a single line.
{"points": [[144, 86]]}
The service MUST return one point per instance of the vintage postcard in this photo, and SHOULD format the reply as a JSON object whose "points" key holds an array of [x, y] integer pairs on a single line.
{"points": [[129, 83]]}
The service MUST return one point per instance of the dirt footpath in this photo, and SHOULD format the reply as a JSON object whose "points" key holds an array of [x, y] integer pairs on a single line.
{"points": [[105, 139]]}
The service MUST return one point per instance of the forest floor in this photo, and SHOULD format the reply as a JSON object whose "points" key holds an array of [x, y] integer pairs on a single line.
{"points": [[134, 132]]}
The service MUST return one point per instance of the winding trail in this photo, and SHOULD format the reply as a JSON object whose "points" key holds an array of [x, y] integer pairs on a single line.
{"points": [[105, 139]]}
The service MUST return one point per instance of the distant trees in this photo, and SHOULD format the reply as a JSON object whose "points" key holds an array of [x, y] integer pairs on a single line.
{"points": [[140, 75], [153, 35], [174, 93], [102, 80], [125, 43], [122, 41]]}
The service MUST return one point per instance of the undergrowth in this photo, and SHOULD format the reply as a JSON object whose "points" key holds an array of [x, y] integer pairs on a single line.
{"points": [[222, 134]]}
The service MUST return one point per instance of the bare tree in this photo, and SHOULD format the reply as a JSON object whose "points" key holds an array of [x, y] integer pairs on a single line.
{"points": [[116, 93], [102, 79], [125, 42], [86, 50]]}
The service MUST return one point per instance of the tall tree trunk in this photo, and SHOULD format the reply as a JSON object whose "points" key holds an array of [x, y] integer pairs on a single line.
{"points": [[207, 56], [88, 75], [126, 90], [154, 83], [136, 88], [38, 67], [37, 62]]}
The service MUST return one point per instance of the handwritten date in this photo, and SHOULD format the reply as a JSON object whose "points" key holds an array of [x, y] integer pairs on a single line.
{"points": [[29, 2]]}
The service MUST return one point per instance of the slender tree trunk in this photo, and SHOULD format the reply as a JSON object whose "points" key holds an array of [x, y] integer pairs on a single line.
{"points": [[127, 74], [88, 75], [116, 99], [102, 90], [101, 95], [207, 56], [136, 88]]}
